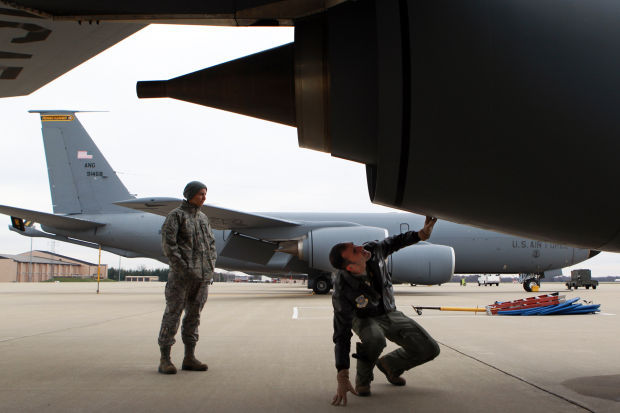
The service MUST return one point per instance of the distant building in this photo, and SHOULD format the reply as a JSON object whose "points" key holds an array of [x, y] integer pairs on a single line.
{"points": [[45, 265]]}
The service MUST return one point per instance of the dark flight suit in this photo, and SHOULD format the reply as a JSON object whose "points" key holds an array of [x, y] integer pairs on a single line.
{"points": [[188, 242], [365, 303]]}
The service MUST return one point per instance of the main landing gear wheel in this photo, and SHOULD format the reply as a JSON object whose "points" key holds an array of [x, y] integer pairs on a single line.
{"points": [[322, 286], [529, 284]]}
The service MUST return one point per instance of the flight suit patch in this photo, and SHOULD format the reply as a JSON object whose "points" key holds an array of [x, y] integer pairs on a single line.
{"points": [[361, 301]]}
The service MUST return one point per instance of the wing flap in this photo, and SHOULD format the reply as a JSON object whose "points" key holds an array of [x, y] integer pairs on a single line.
{"points": [[220, 218], [50, 220]]}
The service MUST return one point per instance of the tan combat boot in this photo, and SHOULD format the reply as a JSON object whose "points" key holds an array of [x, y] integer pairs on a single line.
{"points": [[190, 362], [165, 365], [363, 390], [392, 377]]}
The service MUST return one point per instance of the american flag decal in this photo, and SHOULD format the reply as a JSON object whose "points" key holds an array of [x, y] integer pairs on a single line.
{"points": [[84, 155]]}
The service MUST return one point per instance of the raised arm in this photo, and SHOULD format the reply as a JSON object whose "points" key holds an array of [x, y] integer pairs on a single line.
{"points": [[392, 244]]}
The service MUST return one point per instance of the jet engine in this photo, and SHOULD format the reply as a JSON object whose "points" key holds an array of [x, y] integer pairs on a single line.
{"points": [[503, 88], [423, 263], [314, 248]]}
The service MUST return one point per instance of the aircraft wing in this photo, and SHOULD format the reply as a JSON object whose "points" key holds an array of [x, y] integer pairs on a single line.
{"points": [[44, 218], [220, 218], [40, 41], [35, 50]]}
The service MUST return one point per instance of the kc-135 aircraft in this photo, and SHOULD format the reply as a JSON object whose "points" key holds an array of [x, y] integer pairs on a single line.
{"points": [[93, 208], [518, 97]]}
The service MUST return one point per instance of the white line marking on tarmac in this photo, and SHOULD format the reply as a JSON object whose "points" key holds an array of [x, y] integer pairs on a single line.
{"points": [[295, 313], [7, 338], [605, 314]]}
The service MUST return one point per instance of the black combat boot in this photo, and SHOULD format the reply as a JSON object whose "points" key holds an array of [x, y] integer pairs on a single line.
{"points": [[190, 362], [165, 365]]}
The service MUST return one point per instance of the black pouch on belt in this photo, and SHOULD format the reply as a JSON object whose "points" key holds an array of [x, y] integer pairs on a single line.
{"points": [[360, 352]]}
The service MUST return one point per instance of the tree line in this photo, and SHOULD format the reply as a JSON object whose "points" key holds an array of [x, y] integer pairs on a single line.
{"points": [[160, 273]]}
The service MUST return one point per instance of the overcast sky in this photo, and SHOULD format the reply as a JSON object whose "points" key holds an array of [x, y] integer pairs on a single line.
{"points": [[158, 145]]}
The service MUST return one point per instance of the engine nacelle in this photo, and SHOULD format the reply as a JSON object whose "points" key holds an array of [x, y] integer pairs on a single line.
{"points": [[315, 248], [381, 82], [423, 263]]}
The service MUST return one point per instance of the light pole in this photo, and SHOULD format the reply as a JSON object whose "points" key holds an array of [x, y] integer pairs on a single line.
{"points": [[30, 263], [99, 269]]}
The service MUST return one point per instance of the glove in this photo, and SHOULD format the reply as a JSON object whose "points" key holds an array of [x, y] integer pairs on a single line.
{"points": [[344, 386]]}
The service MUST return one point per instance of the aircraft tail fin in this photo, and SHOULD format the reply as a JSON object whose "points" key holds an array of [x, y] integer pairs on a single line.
{"points": [[81, 180]]}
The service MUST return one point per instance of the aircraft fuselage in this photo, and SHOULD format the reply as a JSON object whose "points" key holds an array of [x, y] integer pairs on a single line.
{"points": [[476, 250]]}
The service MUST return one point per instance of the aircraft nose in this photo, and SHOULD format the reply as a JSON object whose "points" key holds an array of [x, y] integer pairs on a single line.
{"points": [[593, 253]]}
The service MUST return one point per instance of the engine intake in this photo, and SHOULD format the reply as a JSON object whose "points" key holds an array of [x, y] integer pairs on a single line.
{"points": [[315, 248]]}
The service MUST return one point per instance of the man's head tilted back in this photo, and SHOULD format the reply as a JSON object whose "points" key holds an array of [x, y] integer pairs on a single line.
{"points": [[350, 257], [335, 256]]}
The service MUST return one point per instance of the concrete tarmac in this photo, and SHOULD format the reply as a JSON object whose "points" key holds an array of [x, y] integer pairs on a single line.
{"points": [[64, 348]]}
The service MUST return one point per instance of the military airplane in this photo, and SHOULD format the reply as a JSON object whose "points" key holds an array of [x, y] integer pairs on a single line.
{"points": [[516, 100], [93, 208]]}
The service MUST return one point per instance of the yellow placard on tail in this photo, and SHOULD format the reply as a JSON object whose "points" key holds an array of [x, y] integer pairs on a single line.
{"points": [[57, 118]]}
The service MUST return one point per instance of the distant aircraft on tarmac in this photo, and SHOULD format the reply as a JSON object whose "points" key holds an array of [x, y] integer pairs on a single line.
{"points": [[93, 208]]}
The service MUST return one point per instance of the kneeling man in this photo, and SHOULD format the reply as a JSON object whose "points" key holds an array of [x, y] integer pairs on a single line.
{"points": [[363, 300]]}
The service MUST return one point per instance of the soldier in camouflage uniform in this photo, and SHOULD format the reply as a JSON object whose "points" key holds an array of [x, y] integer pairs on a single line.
{"points": [[188, 242]]}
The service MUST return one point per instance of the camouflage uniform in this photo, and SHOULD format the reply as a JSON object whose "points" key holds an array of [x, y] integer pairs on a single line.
{"points": [[188, 242]]}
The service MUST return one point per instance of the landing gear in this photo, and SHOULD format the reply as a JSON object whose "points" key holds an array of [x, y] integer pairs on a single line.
{"points": [[320, 284], [530, 284], [530, 281]]}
